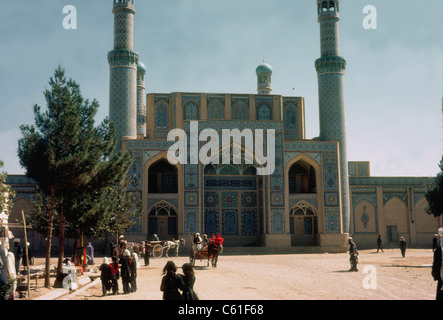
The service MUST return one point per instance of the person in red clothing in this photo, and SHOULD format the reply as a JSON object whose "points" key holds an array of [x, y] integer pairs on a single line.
{"points": [[115, 275]]}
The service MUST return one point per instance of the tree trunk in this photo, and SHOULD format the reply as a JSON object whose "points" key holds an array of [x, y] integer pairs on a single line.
{"points": [[49, 239], [61, 239]]}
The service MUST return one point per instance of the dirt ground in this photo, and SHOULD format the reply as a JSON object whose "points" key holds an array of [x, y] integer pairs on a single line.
{"points": [[381, 276]]}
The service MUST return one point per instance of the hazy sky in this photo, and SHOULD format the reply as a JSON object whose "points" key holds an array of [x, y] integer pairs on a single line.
{"points": [[393, 81]]}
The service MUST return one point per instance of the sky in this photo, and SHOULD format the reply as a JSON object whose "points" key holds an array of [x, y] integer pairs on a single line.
{"points": [[393, 80]]}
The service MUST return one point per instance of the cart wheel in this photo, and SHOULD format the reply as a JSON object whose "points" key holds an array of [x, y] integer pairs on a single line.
{"points": [[157, 251]]}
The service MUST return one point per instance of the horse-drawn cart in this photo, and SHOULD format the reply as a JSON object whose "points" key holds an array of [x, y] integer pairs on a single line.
{"points": [[156, 248], [207, 251]]}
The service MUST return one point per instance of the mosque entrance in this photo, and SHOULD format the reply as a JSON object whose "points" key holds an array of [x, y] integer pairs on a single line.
{"points": [[162, 221], [303, 224], [303, 220], [231, 202], [162, 189]]}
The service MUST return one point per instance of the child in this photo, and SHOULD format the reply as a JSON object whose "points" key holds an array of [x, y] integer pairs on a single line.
{"points": [[171, 282], [106, 276], [115, 275], [189, 280]]}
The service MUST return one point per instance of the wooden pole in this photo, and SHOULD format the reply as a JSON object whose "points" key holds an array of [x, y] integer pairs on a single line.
{"points": [[26, 252]]}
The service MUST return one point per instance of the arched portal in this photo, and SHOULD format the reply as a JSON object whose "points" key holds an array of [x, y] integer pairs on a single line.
{"points": [[231, 198], [162, 221], [162, 207], [303, 224]]}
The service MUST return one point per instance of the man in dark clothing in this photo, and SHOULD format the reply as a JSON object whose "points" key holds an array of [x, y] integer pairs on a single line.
{"points": [[125, 268], [379, 243], [147, 253], [353, 254]]}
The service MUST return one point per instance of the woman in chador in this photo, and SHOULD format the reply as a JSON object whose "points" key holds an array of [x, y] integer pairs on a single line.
{"points": [[189, 280], [171, 282]]}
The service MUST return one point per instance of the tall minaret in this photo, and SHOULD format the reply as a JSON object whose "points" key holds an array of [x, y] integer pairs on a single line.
{"points": [[123, 63], [141, 100], [330, 70]]}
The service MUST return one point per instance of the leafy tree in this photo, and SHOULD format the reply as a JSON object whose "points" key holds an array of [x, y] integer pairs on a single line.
{"points": [[434, 194], [103, 212], [67, 155]]}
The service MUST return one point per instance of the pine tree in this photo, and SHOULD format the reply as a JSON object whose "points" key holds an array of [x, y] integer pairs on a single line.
{"points": [[67, 155]]}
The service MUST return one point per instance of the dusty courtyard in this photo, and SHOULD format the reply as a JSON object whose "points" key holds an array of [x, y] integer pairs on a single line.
{"points": [[381, 276]]}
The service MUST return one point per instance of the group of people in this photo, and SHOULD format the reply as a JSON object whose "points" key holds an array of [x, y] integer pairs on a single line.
{"points": [[353, 251], [178, 286], [125, 264], [124, 267]]}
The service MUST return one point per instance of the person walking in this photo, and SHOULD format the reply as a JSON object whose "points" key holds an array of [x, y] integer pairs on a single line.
{"points": [[403, 246], [115, 275], [18, 254], [353, 254], [189, 280], [147, 252], [105, 276], [437, 272], [379, 244], [171, 282], [125, 269]]}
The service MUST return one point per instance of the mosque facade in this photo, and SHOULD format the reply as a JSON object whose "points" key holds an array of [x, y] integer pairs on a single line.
{"points": [[312, 197]]}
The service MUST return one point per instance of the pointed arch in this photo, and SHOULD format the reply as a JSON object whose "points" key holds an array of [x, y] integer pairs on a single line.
{"points": [[264, 111], [240, 111], [162, 221], [171, 198], [303, 208], [191, 110], [303, 175], [316, 197], [216, 110], [303, 224]]}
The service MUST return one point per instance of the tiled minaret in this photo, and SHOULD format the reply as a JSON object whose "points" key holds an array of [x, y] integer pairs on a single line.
{"points": [[330, 70], [141, 100], [123, 62]]}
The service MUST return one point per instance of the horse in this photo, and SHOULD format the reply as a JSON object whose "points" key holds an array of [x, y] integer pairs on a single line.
{"points": [[214, 249], [174, 244]]}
